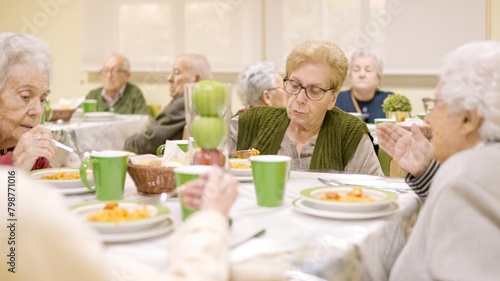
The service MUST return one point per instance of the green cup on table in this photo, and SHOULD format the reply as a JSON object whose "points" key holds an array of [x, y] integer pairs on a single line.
{"points": [[384, 120], [422, 115], [109, 169], [182, 144], [270, 175], [89, 105], [184, 174]]}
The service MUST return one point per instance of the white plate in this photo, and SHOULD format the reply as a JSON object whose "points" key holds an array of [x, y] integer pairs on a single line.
{"points": [[155, 230], [99, 116], [158, 213], [70, 184], [382, 198], [76, 190], [306, 207], [240, 172], [245, 179]]}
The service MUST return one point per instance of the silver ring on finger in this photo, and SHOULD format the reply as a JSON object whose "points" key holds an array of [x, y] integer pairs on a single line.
{"points": [[38, 137]]}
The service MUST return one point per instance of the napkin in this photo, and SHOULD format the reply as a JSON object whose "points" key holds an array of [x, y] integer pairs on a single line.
{"points": [[173, 156]]}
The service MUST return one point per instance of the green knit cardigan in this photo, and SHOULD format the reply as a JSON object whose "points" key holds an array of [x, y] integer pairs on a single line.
{"points": [[264, 127]]}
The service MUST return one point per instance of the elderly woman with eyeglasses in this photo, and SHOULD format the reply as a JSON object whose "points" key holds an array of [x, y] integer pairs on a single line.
{"points": [[456, 234], [310, 129], [25, 74]]}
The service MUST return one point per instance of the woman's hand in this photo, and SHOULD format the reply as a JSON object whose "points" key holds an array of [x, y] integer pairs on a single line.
{"points": [[36, 143], [411, 150], [214, 191]]}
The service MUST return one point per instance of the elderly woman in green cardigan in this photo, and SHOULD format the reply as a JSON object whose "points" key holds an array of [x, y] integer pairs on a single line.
{"points": [[310, 129]]}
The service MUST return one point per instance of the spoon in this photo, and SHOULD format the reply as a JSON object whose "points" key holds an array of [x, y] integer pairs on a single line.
{"points": [[163, 197], [63, 146]]}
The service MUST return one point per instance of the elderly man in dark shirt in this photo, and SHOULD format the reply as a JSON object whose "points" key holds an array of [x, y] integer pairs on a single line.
{"points": [[169, 124]]}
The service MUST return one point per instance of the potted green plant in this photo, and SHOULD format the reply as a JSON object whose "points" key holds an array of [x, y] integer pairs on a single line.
{"points": [[397, 106]]}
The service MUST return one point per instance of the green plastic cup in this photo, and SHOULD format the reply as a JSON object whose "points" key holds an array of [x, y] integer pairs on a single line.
{"points": [[384, 120], [182, 144], [184, 174], [270, 175], [89, 106], [109, 169], [422, 115]]}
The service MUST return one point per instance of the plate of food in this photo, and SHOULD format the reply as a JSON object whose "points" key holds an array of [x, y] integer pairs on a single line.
{"points": [[155, 230], [349, 198], [67, 178], [120, 216], [240, 167], [303, 206]]}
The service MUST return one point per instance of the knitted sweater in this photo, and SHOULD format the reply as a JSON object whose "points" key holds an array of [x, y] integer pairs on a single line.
{"points": [[132, 101], [264, 127]]}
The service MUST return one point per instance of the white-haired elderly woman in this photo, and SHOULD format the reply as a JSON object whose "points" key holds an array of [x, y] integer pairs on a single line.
{"points": [[25, 75], [364, 97], [456, 236], [260, 85]]}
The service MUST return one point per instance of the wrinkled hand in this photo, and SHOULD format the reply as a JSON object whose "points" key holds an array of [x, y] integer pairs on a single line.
{"points": [[214, 191], [411, 150], [36, 143]]}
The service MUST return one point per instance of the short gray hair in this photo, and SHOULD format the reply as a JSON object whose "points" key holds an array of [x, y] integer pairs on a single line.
{"points": [[125, 61], [198, 65], [254, 80], [18, 48], [366, 53], [471, 81]]}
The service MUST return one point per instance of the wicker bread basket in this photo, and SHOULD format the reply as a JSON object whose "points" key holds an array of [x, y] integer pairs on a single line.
{"points": [[150, 180], [63, 114]]}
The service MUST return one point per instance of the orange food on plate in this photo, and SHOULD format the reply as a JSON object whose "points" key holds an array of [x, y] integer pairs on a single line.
{"points": [[62, 176], [356, 195], [112, 212], [236, 165]]}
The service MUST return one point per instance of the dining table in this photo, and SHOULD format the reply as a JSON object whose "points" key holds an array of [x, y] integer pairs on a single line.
{"points": [[105, 131], [297, 244]]}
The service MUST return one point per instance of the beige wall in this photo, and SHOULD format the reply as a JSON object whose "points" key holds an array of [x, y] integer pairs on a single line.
{"points": [[59, 23]]}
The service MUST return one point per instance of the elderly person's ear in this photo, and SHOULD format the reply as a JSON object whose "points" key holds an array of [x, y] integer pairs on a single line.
{"points": [[331, 104], [471, 122], [266, 97]]}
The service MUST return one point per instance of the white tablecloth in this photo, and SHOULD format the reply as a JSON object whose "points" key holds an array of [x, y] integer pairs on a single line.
{"points": [[100, 135], [294, 243]]}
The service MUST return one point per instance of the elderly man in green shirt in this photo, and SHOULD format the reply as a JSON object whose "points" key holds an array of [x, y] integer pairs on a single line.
{"points": [[117, 94]]}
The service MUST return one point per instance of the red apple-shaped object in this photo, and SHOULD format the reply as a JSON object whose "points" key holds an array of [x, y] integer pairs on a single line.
{"points": [[210, 98], [209, 157], [209, 132]]}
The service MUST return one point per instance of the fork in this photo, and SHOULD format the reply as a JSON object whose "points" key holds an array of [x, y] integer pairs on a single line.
{"points": [[334, 182]]}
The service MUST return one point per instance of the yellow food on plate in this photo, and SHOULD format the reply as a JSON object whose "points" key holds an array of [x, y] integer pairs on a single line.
{"points": [[236, 165], [356, 195], [112, 212], [62, 176]]}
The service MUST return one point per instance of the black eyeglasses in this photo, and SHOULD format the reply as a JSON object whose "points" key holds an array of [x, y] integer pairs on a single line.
{"points": [[314, 93], [113, 71], [430, 104]]}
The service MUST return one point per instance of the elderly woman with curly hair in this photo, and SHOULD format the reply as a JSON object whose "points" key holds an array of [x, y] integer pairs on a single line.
{"points": [[456, 234], [25, 74], [310, 130]]}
